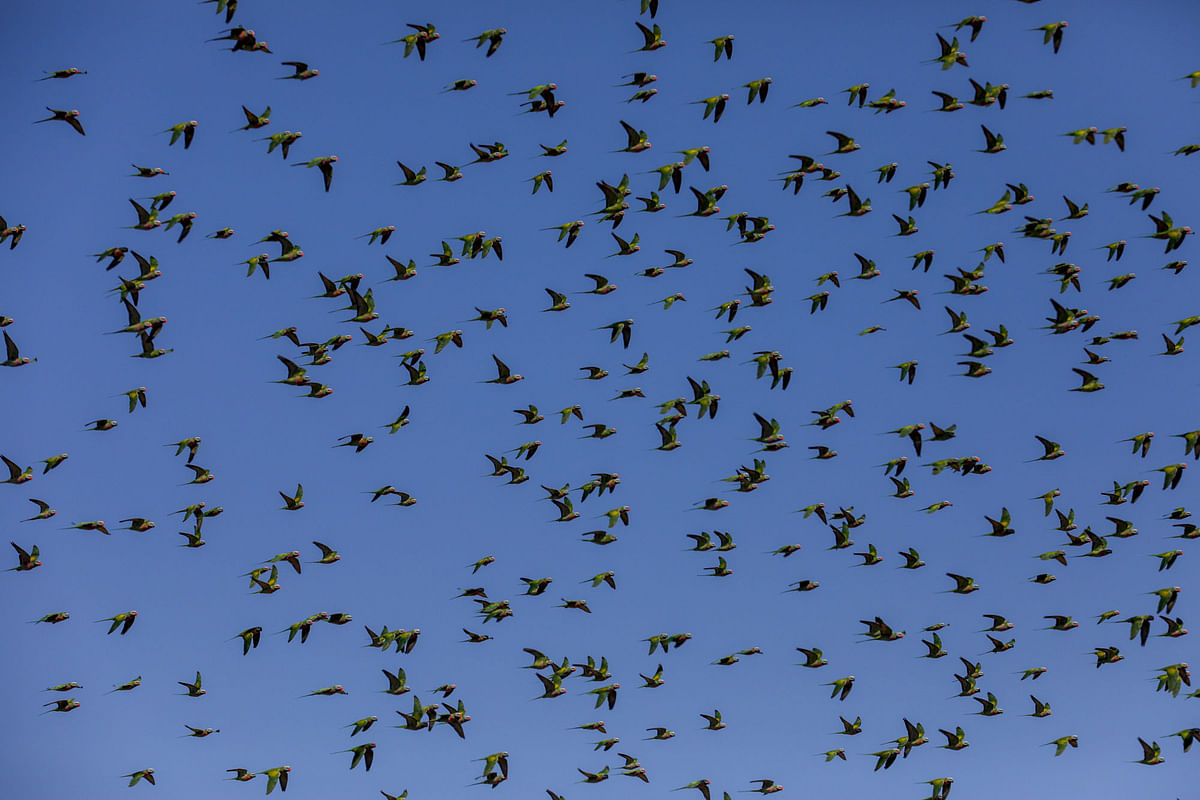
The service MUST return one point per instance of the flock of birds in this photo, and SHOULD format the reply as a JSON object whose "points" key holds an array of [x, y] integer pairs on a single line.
{"points": [[666, 420]]}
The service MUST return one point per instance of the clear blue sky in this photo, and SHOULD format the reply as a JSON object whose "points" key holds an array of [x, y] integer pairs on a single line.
{"points": [[149, 67]]}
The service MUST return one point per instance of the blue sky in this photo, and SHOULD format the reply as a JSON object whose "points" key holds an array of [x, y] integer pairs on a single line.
{"points": [[151, 68]]}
